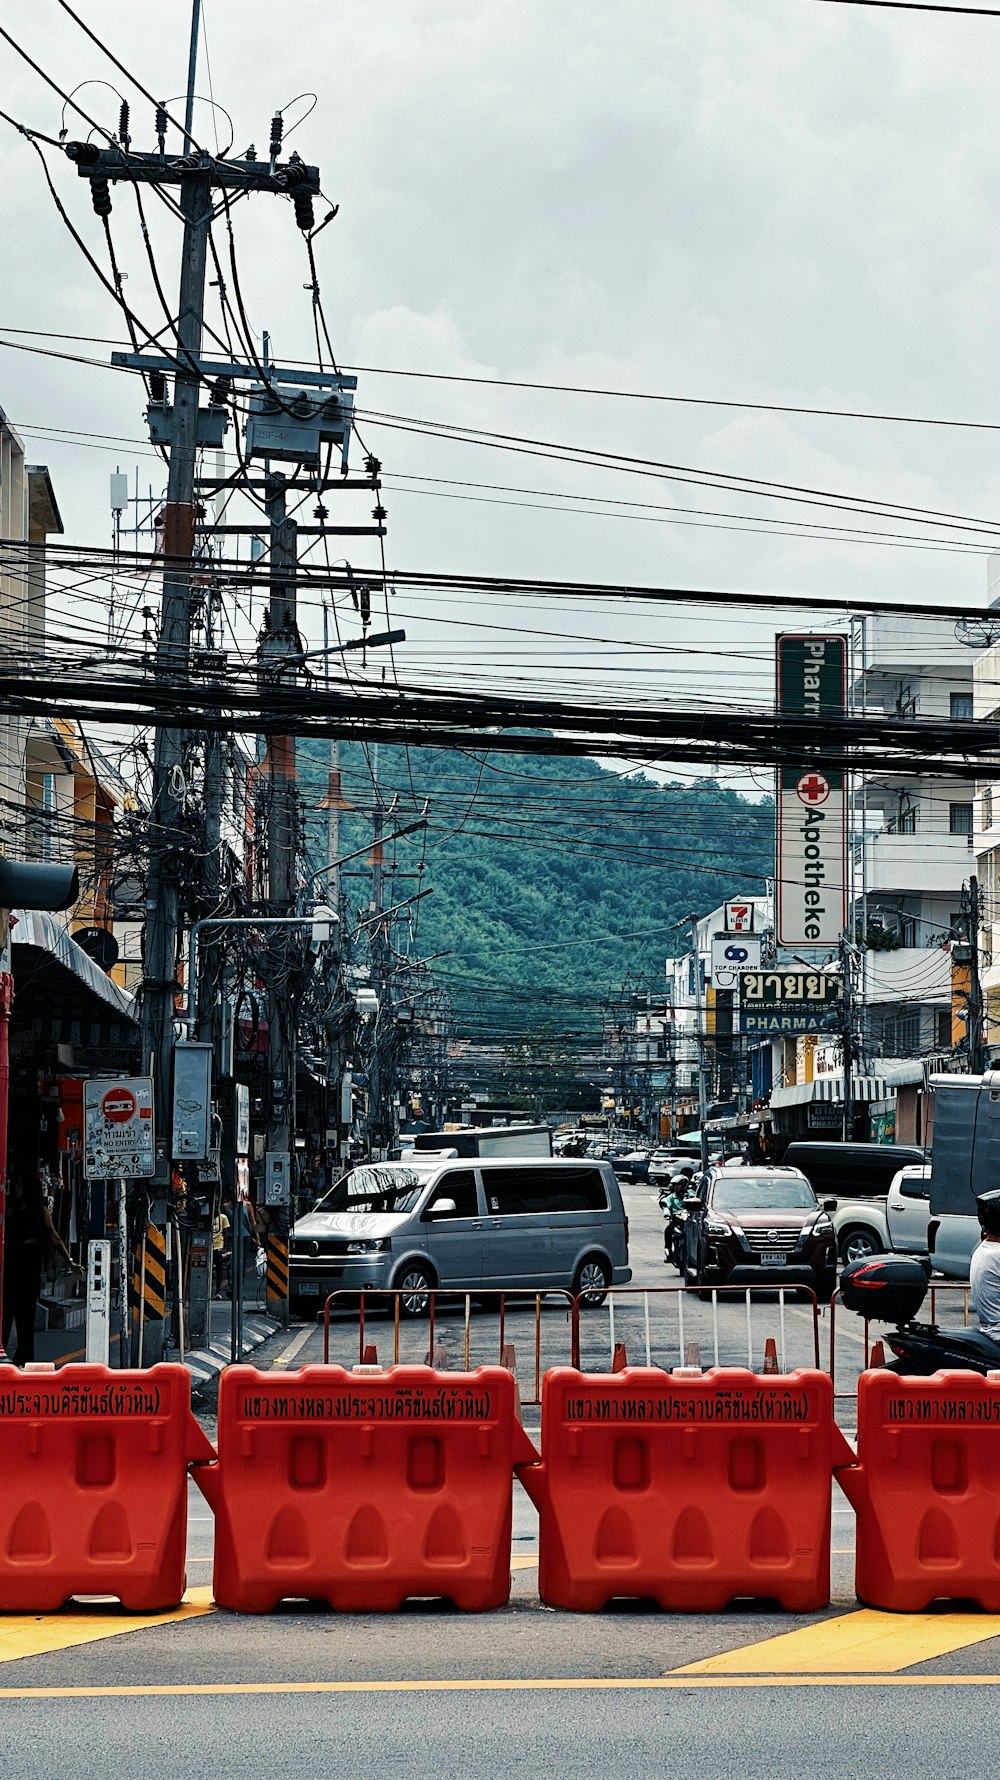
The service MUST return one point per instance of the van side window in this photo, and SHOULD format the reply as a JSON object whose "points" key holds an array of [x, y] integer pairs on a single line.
{"points": [[510, 1191], [458, 1184]]}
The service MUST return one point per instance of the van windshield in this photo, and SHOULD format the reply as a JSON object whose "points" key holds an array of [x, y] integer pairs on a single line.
{"points": [[376, 1187], [762, 1192]]}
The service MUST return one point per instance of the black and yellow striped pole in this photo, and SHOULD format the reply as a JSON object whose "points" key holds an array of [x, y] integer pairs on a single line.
{"points": [[276, 1249], [149, 1286]]}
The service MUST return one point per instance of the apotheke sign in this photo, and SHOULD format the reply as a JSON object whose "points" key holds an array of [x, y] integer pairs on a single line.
{"points": [[811, 888]]}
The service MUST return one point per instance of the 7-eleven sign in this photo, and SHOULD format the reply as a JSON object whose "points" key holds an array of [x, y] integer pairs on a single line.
{"points": [[739, 917]]}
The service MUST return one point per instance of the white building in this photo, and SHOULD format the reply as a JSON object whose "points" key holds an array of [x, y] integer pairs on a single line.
{"points": [[913, 840]]}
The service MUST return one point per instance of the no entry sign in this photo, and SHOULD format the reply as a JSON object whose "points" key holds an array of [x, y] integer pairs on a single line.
{"points": [[118, 1129]]}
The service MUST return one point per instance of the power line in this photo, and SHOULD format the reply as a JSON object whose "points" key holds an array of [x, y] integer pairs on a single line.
{"points": [[645, 395], [975, 12]]}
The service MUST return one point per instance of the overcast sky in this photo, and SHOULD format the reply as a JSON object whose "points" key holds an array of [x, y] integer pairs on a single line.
{"points": [[766, 200]]}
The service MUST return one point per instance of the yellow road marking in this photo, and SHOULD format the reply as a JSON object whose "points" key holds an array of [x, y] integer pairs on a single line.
{"points": [[294, 1347], [563, 1684], [879, 1643], [26, 1634], [527, 1560]]}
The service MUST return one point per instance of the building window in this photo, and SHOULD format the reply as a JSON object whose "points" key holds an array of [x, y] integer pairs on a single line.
{"points": [[942, 1029], [961, 707], [960, 819], [906, 704], [901, 1035], [986, 807]]}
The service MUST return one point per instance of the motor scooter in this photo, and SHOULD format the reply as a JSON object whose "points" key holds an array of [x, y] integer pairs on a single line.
{"points": [[891, 1289], [675, 1219]]}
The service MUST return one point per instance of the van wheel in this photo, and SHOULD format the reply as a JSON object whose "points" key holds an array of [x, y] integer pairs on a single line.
{"points": [[593, 1277], [858, 1244], [413, 1286]]}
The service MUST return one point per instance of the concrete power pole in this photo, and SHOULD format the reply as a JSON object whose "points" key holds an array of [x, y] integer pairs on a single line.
{"points": [[377, 1136], [198, 175], [279, 641]]}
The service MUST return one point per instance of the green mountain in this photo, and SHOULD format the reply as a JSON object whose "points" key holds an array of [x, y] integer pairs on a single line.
{"points": [[552, 878]]}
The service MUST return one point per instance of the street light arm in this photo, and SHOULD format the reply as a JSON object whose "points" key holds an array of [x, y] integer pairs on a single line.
{"points": [[334, 865]]}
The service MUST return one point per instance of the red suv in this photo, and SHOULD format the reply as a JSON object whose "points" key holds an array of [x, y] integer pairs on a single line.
{"points": [[746, 1226]]}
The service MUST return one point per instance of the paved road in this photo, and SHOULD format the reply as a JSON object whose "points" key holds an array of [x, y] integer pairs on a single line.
{"points": [[519, 1692]]}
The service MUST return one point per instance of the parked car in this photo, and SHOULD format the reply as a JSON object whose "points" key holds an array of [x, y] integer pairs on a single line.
{"points": [[663, 1163], [898, 1223], [473, 1225], [630, 1164], [748, 1226], [859, 1176]]}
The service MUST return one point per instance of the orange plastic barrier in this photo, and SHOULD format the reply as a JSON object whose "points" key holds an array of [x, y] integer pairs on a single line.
{"points": [[363, 1490], [93, 1486], [689, 1491], [926, 1490]]}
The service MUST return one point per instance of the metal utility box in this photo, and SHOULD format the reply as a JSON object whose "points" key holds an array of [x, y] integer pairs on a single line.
{"points": [[294, 426], [98, 1301], [277, 1178], [213, 424], [192, 1103]]}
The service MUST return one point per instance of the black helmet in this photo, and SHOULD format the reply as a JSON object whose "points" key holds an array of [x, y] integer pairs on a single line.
{"points": [[988, 1211]]}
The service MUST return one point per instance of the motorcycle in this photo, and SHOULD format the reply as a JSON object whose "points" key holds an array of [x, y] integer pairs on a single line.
{"points": [[891, 1289], [675, 1219]]}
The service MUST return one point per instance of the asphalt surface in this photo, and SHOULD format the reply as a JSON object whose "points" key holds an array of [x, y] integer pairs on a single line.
{"points": [[429, 1691]]}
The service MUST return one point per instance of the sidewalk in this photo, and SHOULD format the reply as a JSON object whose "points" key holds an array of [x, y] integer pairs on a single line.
{"points": [[61, 1347]]}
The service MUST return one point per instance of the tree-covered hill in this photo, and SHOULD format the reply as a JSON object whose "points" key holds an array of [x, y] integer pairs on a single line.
{"points": [[552, 878]]}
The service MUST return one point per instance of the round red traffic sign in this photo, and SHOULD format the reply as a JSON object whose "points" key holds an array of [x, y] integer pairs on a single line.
{"points": [[118, 1106]]}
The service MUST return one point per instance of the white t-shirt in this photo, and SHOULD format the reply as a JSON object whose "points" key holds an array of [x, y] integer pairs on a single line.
{"points": [[984, 1277]]}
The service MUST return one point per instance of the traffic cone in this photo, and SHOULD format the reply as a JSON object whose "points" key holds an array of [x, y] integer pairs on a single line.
{"points": [[370, 1355], [770, 1356], [692, 1354], [620, 1360], [877, 1356]]}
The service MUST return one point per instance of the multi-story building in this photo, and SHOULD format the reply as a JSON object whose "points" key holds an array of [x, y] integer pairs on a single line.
{"points": [[986, 824], [912, 841]]}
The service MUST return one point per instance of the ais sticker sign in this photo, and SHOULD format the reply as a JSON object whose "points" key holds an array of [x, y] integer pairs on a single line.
{"points": [[811, 864], [118, 1128]]}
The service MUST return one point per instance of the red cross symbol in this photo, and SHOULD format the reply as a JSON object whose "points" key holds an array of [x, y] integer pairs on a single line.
{"points": [[812, 788]]}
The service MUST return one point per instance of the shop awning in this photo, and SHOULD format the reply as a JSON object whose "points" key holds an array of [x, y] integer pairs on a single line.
{"points": [[43, 933], [829, 1088]]}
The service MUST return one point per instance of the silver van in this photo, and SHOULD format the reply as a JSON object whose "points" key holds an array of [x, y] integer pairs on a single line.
{"points": [[463, 1225]]}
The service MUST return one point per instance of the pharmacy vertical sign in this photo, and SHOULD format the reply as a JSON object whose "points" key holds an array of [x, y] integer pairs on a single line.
{"points": [[811, 866]]}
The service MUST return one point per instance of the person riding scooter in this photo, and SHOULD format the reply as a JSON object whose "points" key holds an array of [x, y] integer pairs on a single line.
{"points": [[672, 1207]]}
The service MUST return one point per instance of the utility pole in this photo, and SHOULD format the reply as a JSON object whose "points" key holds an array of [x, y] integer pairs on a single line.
{"points": [[976, 1046], [184, 427], [848, 1035], [279, 641], [699, 1002], [377, 1137]]}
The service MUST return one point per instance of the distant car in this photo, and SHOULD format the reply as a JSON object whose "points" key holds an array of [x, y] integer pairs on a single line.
{"points": [[750, 1226], [630, 1164], [664, 1163]]}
